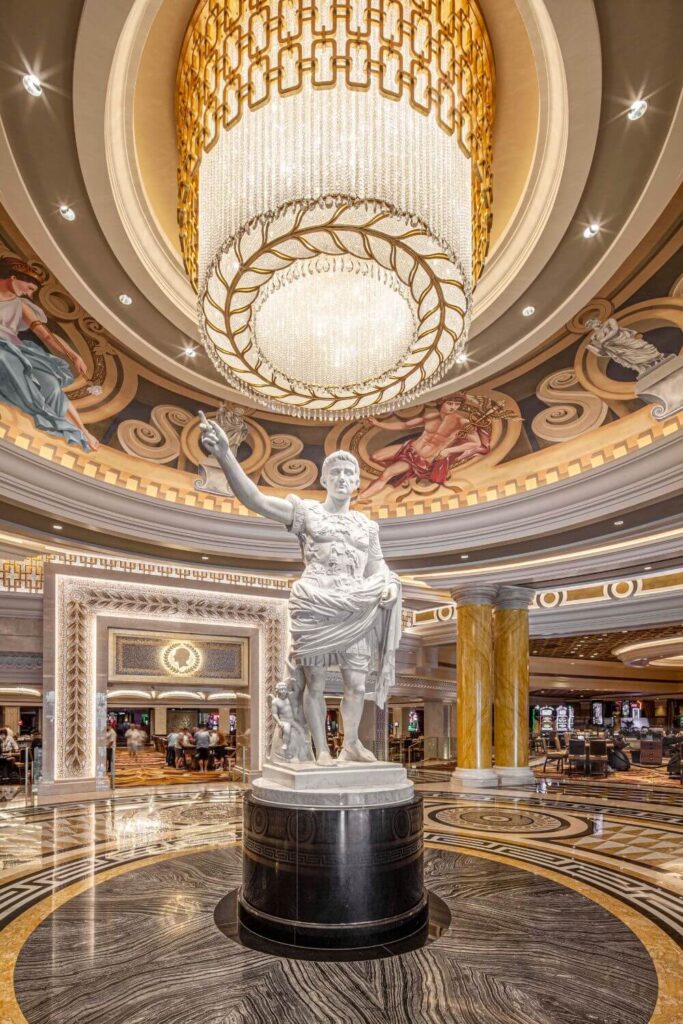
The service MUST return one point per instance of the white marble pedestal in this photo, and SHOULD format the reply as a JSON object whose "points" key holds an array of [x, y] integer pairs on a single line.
{"points": [[346, 784]]}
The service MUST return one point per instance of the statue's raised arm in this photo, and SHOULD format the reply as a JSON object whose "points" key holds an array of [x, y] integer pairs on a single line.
{"points": [[215, 441]]}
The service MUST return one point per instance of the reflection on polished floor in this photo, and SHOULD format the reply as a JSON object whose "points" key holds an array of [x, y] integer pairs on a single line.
{"points": [[566, 906]]}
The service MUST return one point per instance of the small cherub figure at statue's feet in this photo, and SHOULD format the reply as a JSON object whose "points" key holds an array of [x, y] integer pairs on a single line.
{"points": [[355, 751], [325, 758]]}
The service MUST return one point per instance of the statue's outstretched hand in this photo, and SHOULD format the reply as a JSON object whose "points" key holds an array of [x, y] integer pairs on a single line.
{"points": [[214, 438]]}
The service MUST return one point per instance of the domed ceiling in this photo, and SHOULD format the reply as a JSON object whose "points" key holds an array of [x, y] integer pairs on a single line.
{"points": [[573, 371]]}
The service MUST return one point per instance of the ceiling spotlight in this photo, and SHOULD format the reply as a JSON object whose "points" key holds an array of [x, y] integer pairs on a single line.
{"points": [[646, 568], [32, 85], [190, 351], [528, 311], [591, 231], [205, 558], [618, 522], [636, 110], [461, 358], [57, 526], [67, 213], [125, 300], [464, 556]]}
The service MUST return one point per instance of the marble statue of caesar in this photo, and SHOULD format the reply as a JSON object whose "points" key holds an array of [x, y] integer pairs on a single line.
{"points": [[345, 610]]}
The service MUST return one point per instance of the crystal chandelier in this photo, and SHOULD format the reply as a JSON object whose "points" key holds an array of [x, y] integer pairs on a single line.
{"points": [[335, 194]]}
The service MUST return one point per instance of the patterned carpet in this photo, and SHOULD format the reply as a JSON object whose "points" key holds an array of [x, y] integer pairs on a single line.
{"points": [[151, 769]]}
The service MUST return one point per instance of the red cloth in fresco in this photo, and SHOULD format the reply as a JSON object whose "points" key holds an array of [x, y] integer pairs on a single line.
{"points": [[434, 470]]}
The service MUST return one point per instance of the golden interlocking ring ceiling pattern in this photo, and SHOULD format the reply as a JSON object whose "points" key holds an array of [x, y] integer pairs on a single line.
{"points": [[237, 57]]}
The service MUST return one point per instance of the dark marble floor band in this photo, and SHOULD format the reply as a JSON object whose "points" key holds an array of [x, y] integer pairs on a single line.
{"points": [[143, 948]]}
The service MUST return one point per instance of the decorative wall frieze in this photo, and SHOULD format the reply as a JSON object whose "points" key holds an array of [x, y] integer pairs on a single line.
{"points": [[628, 602], [20, 660], [27, 577]]}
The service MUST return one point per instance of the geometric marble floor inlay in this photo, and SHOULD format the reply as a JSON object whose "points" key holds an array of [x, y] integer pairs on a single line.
{"points": [[142, 948], [565, 908]]}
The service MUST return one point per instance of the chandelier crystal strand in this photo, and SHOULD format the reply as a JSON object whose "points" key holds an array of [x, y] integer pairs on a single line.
{"points": [[336, 161]]}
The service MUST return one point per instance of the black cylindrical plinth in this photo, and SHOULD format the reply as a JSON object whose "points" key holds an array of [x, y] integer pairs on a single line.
{"points": [[339, 877]]}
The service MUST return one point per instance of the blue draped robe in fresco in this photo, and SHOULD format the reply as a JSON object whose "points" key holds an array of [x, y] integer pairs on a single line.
{"points": [[31, 378]]}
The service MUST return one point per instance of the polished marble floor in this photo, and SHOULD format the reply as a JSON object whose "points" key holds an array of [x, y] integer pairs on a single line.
{"points": [[566, 907]]}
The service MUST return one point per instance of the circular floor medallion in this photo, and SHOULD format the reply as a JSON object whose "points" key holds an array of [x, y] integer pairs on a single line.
{"points": [[143, 948], [521, 821]]}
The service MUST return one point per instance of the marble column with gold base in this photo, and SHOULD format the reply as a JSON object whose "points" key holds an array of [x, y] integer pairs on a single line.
{"points": [[475, 685], [511, 685]]}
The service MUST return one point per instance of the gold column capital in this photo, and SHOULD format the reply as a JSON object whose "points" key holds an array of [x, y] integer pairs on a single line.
{"points": [[474, 593], [510, 596]]}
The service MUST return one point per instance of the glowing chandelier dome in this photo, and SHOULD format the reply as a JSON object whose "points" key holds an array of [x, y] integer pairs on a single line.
{"points": [[335, 194]]}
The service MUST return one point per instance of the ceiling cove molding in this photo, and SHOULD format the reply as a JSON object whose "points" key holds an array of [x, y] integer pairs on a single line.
{"points": [[111, 40], [565, 41], [655, 196], [655, 543], [20, 606], [17, 200], [647, 476]]}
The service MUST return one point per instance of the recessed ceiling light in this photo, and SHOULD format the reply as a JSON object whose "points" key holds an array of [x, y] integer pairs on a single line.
{"points": [[125, 300], [57, 526], [646, 568], [461, 358], [67, 213], [205, 558], [32, 85], [636, 110], [528, 311], [591, 231], [618, 522], [190, 351], [464, 556]]}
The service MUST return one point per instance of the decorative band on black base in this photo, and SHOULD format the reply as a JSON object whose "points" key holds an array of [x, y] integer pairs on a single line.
{"points": [[329, 878], [359, 935]]}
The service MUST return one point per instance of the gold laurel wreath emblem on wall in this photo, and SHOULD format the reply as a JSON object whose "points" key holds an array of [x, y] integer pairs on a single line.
{"points": [[181, 658]]}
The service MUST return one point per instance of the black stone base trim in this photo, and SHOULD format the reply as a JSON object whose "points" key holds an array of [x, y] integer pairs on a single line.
{"points": [[358, 935], [226, 919], [333, 878]]}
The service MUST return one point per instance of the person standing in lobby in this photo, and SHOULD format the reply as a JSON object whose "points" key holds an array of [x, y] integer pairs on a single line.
{"points": [[202, 739], [111, 744], [171, 741]]}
